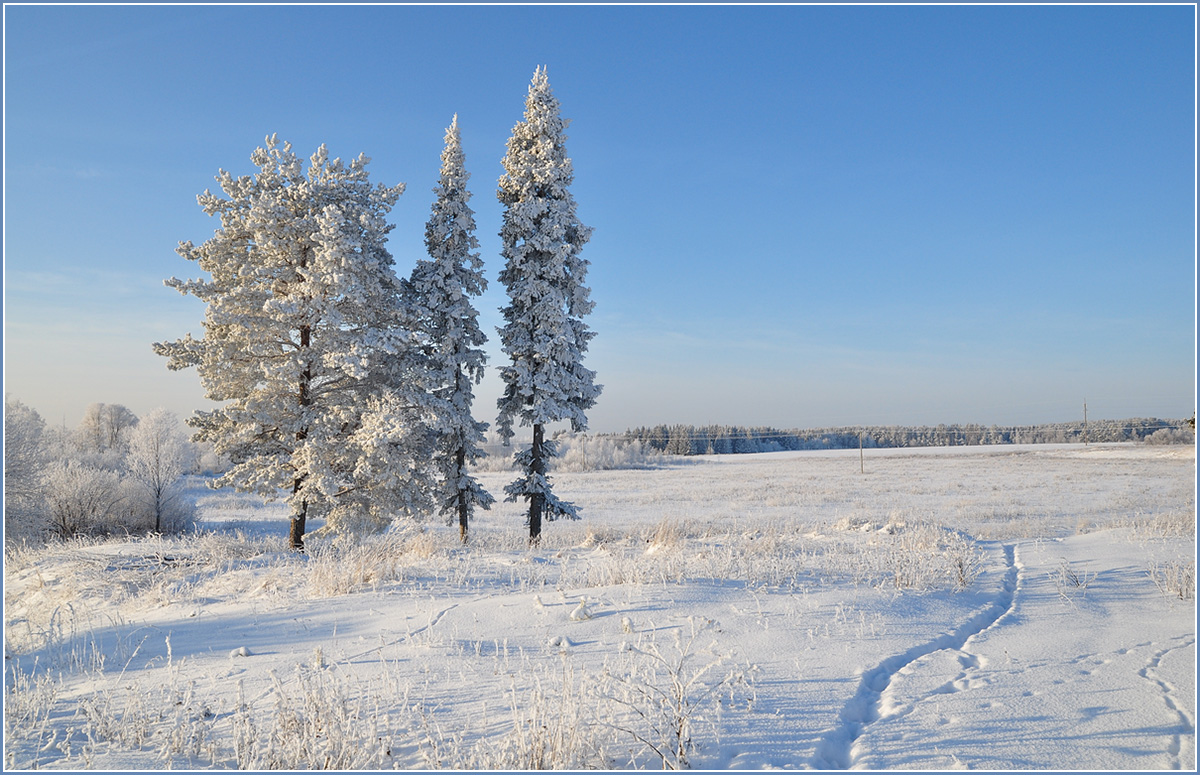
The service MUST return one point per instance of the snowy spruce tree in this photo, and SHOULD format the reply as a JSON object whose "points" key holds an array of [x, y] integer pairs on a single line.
{"points": [[306, 344], [544, 334], [438, 295]]}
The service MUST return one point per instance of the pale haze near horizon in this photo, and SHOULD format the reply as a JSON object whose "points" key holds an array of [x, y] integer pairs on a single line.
{"points": [[804, 216]]}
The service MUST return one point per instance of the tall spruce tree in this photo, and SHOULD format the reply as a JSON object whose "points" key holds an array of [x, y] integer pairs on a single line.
{"points": [[306, 343], [544, 334], [438, 295]]}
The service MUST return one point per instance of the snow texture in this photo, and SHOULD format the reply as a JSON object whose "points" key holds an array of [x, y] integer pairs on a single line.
{"points": [[769, 621]]}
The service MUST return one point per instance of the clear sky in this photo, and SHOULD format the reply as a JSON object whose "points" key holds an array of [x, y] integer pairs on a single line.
{"points": [[804, 215]]}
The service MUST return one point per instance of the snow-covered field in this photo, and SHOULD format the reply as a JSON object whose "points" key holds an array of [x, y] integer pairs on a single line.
{"points": [[978, 608]]}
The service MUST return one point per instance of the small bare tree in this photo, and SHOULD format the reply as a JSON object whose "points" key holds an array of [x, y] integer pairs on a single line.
{"points": [[159, 454]]}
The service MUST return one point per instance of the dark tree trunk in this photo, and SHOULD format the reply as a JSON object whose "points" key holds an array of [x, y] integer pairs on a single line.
{"points": [[463, 515], [460, 461], [296, 535], [538, 466]]}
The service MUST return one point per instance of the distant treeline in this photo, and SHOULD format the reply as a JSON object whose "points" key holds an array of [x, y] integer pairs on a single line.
{"points": [[727, 439]]}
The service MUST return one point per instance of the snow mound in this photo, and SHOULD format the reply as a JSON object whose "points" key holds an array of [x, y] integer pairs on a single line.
{"points": [[581, 613]]}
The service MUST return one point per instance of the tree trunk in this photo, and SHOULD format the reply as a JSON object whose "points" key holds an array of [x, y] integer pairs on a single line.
{"points": [[296, 534], [538, 466], [461, 466], [462, 497]]}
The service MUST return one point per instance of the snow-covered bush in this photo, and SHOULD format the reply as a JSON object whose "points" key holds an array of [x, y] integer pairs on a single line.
{"points": [[323, 723], [348, 565], [1175, 579], [1165, 436], [916, 555], [553, 727], [496, 458], [146, 514], [81, 499], [25, 457], [668, 697], [580, 452]]}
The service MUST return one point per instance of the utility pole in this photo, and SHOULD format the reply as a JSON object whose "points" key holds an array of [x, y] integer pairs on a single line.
{"points": [[862, 466], [1085, 433]]}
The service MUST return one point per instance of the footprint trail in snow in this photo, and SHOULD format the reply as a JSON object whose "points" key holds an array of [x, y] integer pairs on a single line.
{"points": [[874, 702]]}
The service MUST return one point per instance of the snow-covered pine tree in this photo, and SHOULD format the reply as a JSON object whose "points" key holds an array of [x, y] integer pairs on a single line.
{"points": [[544, 334], [438, 295], [306, 343]]}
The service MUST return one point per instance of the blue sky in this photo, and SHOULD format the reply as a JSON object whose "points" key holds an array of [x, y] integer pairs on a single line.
{"points": [[804, 215]]}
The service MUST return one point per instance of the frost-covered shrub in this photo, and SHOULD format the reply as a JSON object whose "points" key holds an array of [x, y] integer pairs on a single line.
{"points": [[495, 458], [553, 728], [666, 698], [1165, 436], [324, 723], [176, 515], [347, 564], [578, 452], [81, 499], [917, 555], [1173, 523], [25, 457], [1175, 579]]}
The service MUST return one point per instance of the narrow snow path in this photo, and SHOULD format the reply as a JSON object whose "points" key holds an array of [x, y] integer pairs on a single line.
{"points": [[1089, 668], [1173, 698], [873, 701]]}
